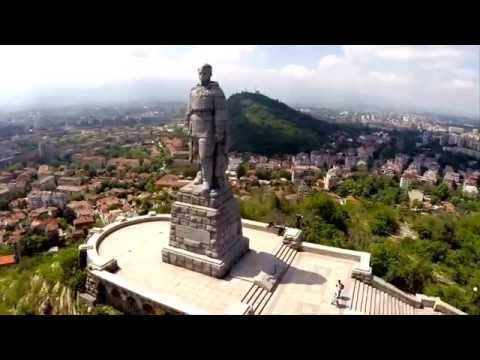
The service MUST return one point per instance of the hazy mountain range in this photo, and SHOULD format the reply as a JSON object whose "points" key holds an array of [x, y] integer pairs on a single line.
{"points": [[174, 90]]}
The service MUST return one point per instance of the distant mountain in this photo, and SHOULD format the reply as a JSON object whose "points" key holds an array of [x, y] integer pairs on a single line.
{"points": [[263, 125], [60, 96]]}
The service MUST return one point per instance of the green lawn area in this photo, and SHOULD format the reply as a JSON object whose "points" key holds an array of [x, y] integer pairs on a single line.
{"points": [[24, 286]]}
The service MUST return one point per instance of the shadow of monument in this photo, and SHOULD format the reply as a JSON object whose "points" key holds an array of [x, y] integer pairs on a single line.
{"points": [[255, 262]]}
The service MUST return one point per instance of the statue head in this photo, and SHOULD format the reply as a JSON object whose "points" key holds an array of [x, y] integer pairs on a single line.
{"points": [[204, 74]]}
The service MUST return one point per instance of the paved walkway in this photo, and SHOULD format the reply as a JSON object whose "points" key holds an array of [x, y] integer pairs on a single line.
{"points": [[309, 285], [306, 288]]}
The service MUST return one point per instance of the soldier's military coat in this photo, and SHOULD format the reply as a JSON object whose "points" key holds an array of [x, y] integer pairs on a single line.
{"points": [[207, 110]]}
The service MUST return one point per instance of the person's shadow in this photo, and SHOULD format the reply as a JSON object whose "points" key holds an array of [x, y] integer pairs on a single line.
{"points": [[342, 302]]}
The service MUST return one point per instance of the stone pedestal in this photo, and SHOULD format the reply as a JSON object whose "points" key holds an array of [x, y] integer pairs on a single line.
{"points": [[205, 231]]}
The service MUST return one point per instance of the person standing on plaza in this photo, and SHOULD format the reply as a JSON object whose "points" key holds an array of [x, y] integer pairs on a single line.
{"points": [[338, 292]]}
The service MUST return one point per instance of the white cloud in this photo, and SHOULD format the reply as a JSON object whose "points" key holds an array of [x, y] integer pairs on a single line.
{"points": [[330, 60], [404, 52], [297, 71], [433, 76], [463, 84]]}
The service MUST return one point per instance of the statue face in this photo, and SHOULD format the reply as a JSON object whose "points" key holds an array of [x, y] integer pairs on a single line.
{"points": [[204, 74]]}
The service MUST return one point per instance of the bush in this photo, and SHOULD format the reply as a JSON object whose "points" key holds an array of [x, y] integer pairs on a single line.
{"points": [[105, 310], [68, 214], [278, 174], [5, 250], [383, 254], [399, 268], [320, 206], [3, 204], [263, 174], [242, 170], [35, 243], [408, 275], [72, 275], [384, 224]]}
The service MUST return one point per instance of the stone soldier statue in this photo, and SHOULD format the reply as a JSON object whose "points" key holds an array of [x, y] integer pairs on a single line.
{"points": [[207, 116], [214, 232]]}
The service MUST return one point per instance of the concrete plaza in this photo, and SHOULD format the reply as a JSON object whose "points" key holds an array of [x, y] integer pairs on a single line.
{"points": [[306, 288]]}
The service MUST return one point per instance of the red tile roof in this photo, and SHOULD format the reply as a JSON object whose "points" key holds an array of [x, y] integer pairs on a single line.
{"points": [[7, 260], [84, 220], [171, 181]]}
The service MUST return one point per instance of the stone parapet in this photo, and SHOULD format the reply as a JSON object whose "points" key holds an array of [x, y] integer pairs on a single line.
{"points": [[381, 284], [437, 305], [363, 268]]}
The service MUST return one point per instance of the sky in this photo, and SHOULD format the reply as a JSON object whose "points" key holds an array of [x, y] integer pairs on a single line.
{"points": [[438, 78]]}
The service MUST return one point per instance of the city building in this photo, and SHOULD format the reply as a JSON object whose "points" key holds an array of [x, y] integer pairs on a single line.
{"points": [[415, 196], [71, 190], [407, 180], [44, 171], [46, 183], [301, 172], [233, 164], [70, 181], [38, 199], [96, 161], [331, 178], [470, 187], [451, 178], [430, 177]]}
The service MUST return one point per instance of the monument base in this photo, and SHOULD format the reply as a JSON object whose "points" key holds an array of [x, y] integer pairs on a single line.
{"points": [[205, 231], [217, 268]]}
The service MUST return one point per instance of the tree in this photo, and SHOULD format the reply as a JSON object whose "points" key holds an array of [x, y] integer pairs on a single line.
{"points": [[282, 173], [68, 214], [241, 170], [441, 192], [384, 224], [72, 275], [395, 266], [263, 174], [5, 249], [34, 243], [150, 187], [111, 168], [384, 254], [63, 223], [105, 310], [3, 204], [409, 275], [319, 205]]}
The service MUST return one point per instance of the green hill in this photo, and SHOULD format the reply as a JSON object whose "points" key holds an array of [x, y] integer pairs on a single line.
{"points": [[262, 125]]}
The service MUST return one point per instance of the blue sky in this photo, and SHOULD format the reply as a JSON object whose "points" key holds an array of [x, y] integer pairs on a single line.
{"points": [[434, 78]]}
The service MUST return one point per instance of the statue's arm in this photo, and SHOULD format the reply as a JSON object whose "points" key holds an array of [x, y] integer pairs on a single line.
{"points": [[220, 115], [188, 112]]}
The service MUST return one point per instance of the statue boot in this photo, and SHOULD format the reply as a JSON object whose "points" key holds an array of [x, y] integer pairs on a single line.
{"points": [[198, 178], [207, 172]]}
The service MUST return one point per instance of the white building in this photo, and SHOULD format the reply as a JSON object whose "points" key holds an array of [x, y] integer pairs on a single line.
{"points": [[331, 178], [38, 199], [470, 190]]}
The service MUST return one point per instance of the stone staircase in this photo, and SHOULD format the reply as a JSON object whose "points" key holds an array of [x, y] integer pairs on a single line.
{"points": [[257, 296], [369, 300]]}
